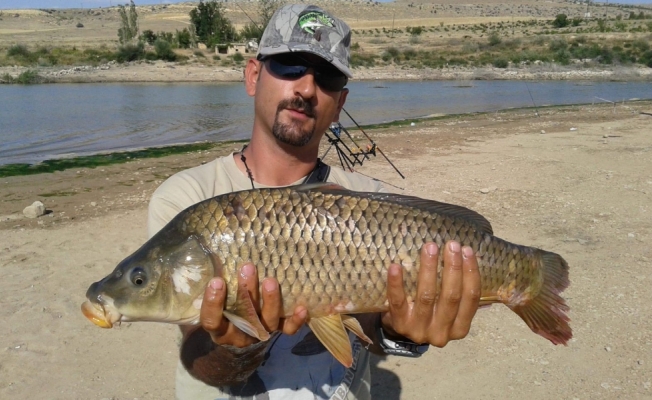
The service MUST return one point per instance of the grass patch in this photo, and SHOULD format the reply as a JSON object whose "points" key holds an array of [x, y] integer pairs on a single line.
{"points": [[93, 161], [57, 194]]}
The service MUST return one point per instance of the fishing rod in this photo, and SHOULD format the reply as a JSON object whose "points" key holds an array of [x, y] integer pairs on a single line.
{"points": [[374, 147], [536, 110]]}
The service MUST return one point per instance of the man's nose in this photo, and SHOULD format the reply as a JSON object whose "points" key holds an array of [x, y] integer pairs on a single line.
{"points": [[306, 85]]}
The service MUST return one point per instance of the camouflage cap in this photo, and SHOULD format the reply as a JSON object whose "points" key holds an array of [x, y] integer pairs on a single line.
{"points": [[306, 28]]}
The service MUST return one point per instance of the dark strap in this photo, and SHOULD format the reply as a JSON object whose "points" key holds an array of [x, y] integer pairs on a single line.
{"points": [[319, 174]]}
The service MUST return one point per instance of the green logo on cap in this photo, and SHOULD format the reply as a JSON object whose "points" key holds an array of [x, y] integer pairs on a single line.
{"points": [[314, 20]]}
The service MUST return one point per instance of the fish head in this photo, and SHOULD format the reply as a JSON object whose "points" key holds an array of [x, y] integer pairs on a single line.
{"points": [[163, 281]]}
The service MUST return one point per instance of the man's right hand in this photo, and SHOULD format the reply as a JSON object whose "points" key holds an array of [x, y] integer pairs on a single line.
{"points": [[223, 332]]}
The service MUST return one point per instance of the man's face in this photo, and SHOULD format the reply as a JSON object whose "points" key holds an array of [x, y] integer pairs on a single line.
{"points": [[291, 101]]}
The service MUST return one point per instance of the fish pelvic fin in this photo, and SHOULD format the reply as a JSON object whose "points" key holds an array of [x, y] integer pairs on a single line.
{"points": [[245, 317], [352, 324], [331, 333], [545, 314]]}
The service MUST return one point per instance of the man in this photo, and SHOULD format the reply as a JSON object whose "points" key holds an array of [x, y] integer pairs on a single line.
{"points": [[297, 82]]}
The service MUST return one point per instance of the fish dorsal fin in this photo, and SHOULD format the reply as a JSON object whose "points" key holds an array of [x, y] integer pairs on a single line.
{"points": [[436, 207], [244, 316], [331, 333]]}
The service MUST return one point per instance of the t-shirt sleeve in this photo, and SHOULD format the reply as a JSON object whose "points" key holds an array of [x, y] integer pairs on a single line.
{"points": [[173, 196], [181, 191]]}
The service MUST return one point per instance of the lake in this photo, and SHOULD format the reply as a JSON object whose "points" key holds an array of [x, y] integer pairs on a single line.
{"points": [[39, 122]]}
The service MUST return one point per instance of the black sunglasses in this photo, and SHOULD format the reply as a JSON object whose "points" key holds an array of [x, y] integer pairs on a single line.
{"points": [[292, 66]]}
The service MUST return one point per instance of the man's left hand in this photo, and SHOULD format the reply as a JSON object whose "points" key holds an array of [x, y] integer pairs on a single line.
{"points": [[435, 318]]}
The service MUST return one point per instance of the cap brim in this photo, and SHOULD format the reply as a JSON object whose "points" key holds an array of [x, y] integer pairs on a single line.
{"points": [[302, 48]]}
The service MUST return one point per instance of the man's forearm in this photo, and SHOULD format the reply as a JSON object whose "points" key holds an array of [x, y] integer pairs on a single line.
{"points": [[218, 365]]}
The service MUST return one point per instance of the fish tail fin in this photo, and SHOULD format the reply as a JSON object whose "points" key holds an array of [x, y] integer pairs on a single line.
{"points": [[545, 314]]}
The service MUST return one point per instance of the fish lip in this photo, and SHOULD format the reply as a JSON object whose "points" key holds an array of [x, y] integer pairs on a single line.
{"points": [[101, 315]]}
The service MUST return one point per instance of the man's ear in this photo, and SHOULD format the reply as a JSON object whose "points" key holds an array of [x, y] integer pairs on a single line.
{"points": [[251, 75], [340, 104]]}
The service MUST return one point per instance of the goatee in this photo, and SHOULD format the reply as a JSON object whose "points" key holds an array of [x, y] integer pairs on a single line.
{"points": [[292, 134]]}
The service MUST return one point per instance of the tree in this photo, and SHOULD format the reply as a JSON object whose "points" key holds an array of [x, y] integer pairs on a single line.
{"points": [[211, 24], [561, 21], [183, 38], [128, 30], [266, 9]]}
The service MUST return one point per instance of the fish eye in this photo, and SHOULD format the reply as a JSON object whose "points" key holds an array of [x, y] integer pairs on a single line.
{"points": [[138, 276]]}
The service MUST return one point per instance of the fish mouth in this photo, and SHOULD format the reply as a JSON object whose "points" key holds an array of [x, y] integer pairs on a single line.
{"points": [[99, 315]]}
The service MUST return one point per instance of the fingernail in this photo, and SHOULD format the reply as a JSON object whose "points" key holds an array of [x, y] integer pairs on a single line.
{"points": [[394, 270], [454, 246], [216, 284], [269, 285], [431, 249], [247, 270], [302, 313], [467, 252]]}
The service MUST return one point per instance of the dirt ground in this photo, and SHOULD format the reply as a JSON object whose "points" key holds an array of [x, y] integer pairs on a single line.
{"points": [[576, 180]]}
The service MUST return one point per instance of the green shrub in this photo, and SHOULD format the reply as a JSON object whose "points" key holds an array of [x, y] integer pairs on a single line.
{"points": [[562, 56], [216, 58], [362, 60], [561, 21], [183, 38], [6, 78], [130, 52], [409, 54], [29, 77], [500, 62], [646, 58], [558, 44], [620, 26], [238, 57], [164, 50], [393, 52], [641, 45], [18, 50], [494, 39]]}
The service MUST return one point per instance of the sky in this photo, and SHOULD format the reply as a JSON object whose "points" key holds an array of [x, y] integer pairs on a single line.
{"points": [[11, 4]]}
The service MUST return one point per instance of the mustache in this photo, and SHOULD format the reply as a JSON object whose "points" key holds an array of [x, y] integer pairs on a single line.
{"points": [[298, 104]]}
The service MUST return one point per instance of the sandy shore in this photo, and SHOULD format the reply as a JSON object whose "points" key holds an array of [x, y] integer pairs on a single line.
{"points": [[577, 181], [160, 71]]}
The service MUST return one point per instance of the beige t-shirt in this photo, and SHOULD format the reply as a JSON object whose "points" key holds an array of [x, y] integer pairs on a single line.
{"points": [[293, 368]]}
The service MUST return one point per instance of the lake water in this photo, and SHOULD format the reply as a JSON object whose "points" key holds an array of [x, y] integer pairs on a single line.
{"points": [[39, 122]]}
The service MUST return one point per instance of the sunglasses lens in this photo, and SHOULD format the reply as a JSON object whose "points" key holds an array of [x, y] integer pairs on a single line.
{"points": [[287, 70], [332, 83], [326, 76]]}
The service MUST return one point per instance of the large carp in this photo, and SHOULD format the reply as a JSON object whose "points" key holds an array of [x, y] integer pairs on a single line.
{"points": [[330, 250]]}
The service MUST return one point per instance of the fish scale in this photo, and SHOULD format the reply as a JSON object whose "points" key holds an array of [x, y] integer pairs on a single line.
{"points": [[330, 250]]}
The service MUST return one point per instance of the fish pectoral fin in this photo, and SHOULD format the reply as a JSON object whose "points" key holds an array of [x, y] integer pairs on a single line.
{"points": [[331, 333], [245, 316], [352, 324]]}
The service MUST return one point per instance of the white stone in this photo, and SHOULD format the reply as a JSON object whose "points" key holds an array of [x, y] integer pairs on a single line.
{"points": [[35, 210]]}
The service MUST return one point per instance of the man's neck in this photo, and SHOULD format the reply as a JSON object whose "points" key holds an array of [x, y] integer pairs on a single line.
{"points": [[271, 164]]}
